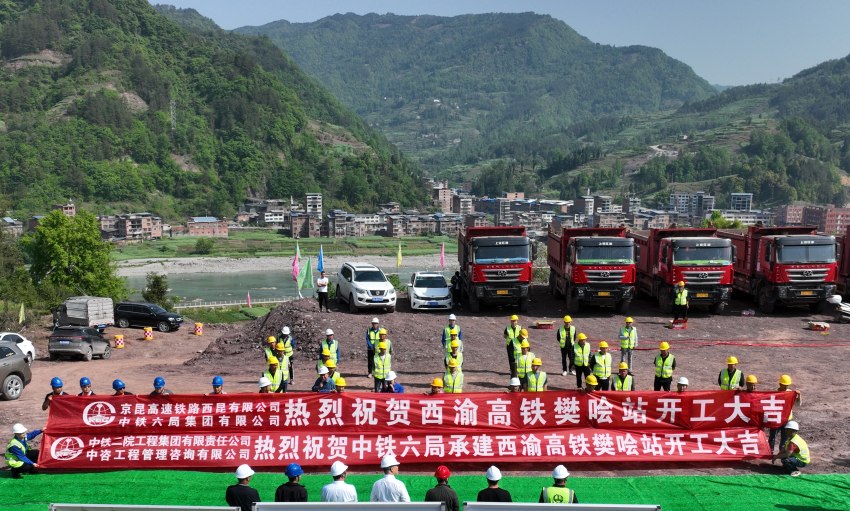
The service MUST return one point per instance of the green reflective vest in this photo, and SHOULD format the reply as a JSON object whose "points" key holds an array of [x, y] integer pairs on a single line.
{"points": [[374, 337], [602, 365], [287, 345], [333, 347], [582, 357], [523, 364], [276, 378], [628, 338], [383, 365], [269, 353], [449, 346], [626, 383], [680, 297], [803, 449], [664, 367], [728, 382], [459, 359], [558, 495], [563, 336], [453, 382], [511, 333], [11, 459], [536, 381]]}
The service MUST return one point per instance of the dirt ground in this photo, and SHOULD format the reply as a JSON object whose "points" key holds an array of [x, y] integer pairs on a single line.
{"points": [[766, 346]]}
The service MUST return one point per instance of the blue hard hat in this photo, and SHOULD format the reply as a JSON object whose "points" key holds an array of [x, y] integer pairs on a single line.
{"points": [[293, 470], [56, 382], [118, 385], [84, 381], [218, 381], [158, 382]]}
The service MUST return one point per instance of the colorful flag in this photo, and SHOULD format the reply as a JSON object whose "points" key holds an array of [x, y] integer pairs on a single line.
{"points": [[295, 263], [443, 256], [21, 316], [398, 257], [249, 299], [305, 278], [321, 265]]}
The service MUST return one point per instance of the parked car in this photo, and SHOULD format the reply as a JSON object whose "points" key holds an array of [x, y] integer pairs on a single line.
{"points": [[77, 341], [146, 314], [364, 286], [85, 311], [429, 290], [15, 373], [23, 343]]}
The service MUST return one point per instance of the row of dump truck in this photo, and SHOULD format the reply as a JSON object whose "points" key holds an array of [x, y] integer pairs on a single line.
{"points": [[793, 265]]}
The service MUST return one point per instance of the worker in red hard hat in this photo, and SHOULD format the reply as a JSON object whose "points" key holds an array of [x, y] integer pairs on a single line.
{"points": [[443, 492]]}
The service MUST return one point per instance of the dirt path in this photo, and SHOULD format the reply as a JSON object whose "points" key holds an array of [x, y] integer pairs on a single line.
{"points": [[765, 346]]}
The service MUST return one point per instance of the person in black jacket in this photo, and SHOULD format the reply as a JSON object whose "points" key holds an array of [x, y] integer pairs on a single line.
{"points": [[293, 491], [443, 492], [241, 495]]}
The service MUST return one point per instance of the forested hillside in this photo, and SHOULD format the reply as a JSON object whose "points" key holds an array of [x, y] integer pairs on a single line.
{"points": [[471, 88], [114, 105]]}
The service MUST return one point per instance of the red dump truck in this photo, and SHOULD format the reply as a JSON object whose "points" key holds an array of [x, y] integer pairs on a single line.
{"points": [[694, 255], [495, 266], [786, 265], [843, 280], [593, 266]]}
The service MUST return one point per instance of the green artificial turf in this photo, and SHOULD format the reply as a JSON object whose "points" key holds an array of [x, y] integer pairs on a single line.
{"points": [[825, 492]]}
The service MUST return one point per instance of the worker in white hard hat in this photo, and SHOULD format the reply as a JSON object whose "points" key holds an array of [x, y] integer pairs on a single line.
{"points": [[324, 384], [514, 385], [682, 384], [265, 385], [330, 344], [339, 490], [794, 453], [492, 493], [447, 331], [288, 349], [373, 337], [19, 457], [241, 494], [391, 385], [388, 488], [558, 493]]}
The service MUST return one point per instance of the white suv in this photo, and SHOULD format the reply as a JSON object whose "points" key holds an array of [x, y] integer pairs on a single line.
{"points": [[364, 286]]}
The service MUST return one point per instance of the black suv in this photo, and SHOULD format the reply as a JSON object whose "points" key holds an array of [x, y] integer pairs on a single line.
{"points": [[146, 314], [77, 341]]}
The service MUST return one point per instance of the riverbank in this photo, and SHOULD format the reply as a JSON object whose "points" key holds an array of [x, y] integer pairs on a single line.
{"points": [[180, 265]]}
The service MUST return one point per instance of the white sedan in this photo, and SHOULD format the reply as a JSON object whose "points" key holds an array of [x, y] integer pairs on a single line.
{"points": [[23, 343], [429, 290]]}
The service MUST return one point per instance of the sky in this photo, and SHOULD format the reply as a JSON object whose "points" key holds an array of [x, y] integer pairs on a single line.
{"points": [[727, 42]]}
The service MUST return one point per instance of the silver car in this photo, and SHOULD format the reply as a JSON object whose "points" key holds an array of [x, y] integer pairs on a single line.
{"points": [[429, 290]]}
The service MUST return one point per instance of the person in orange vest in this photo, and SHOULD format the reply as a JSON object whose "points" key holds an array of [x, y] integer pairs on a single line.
{"points": [[600, 363], [665, 364]]}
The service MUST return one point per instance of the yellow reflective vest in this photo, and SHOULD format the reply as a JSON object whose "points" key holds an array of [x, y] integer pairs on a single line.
{"points": [[383, 365], [582, 357], [523, 364], [802, 453], [276, 378], [459, 359], [730, 382], [453, 382], [11, 459], [563, 336], [602, 365], [536, 381], [628, 338], [624, 384], [664, 367], [680, 297]]}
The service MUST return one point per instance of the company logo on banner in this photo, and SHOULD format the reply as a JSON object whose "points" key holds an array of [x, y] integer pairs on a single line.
{"points": [[196, 431]]}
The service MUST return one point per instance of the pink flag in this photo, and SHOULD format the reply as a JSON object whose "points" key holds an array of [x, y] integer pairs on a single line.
{"points": [[295, 263], [249, 299], [443, 256]]}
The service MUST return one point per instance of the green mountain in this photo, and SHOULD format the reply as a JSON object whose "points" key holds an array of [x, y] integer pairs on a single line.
{"points": [[471, 88], [118, 107]]}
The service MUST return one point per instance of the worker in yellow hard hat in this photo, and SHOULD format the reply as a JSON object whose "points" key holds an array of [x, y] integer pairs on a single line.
{"points": [[511, 334], [623, 381], [373, 337], [566, 336], [581, 359], [436, 387], [751, 382], [628, 342], [382, 334], [454, 354], [447, 332], [275, 375], [600, 364], [665, 364], [731, 377], [340, 385], [526, 357], [324, 357], [591, 383], [536, 380], [785, 383], [268, 351], [453, 379], [383, 364], [680, 302], [331, 344], [333, 371], [454, 338]]}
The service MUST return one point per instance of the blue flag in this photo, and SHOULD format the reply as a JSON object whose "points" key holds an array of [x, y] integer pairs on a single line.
{"points": [[321, 265]]}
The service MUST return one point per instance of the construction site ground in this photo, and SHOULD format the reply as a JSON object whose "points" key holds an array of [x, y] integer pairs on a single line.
{"points": [[766, 346]]}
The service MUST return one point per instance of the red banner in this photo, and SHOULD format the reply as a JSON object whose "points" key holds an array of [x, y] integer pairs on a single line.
{"points": [[196, 431]]}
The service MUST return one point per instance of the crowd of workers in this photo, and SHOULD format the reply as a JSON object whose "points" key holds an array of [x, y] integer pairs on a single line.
{"points": [[593, 371]]}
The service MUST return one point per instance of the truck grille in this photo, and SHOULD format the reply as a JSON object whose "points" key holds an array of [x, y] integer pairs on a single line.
{"points": [[508, 275], [377, 293], [604, 276], [703, 278], [808, 275]]}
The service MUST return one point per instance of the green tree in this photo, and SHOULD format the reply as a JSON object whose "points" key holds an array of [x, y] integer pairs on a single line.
{"points": [[156, 290], [204, 246], [717, 220], [67, 252]]}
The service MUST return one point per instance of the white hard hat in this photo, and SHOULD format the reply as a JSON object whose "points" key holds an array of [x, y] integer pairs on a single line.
{"points": [[391, 376], [329, 332], [560, 472], [285, 330], [792, 425], [683, 381], [323, 370], [264, 382], [18, 429], [338, 468], [493, 473], [376, 320], [389, 461], [514, 382], [244, 471], [452, 316]]}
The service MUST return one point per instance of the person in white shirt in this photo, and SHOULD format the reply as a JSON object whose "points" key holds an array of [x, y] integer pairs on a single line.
{"points": [[322, 291], [388, 488], [339, 490]]}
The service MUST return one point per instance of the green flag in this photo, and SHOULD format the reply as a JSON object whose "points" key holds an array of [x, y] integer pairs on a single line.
{"points": [[305, 276]]}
